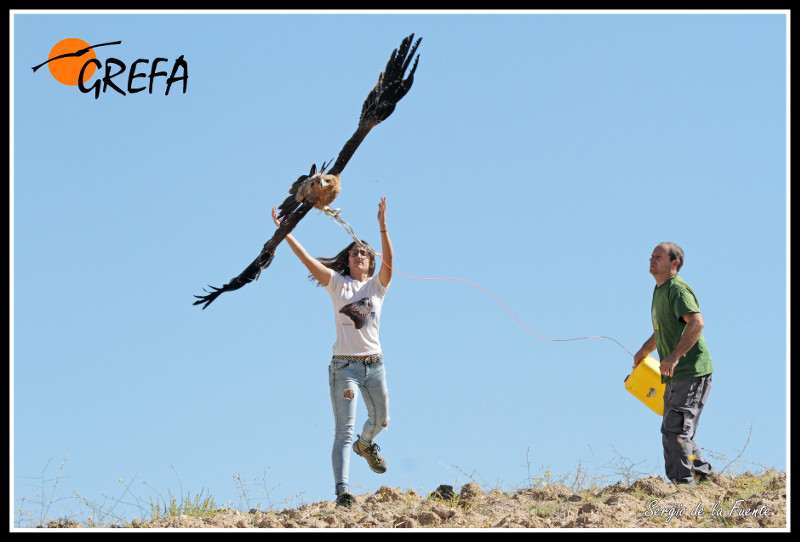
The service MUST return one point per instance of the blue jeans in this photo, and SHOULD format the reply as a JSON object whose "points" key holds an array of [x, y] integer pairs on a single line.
{"points": [[346, 378]]}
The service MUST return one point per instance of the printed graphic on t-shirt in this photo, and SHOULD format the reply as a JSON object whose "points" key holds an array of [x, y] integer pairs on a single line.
{"points": [[358, 311]]}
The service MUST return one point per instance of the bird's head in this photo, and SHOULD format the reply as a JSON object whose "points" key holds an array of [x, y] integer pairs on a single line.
{"points": [[324, 188], [319, 180]]}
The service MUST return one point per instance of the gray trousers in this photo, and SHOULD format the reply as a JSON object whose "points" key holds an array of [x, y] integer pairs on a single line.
{"points": [[684, 400]]}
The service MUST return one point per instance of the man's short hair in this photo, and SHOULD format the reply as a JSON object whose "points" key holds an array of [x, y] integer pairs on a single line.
{"points": [[675, 253]]}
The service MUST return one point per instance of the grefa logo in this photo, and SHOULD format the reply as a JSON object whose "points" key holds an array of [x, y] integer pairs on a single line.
{"points": [[72, 61]]}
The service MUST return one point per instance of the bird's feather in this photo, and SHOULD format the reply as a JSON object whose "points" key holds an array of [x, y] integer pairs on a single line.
{"points": [[382, 99]]}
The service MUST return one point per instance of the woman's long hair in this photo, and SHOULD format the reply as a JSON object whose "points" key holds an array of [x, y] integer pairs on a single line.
{"points": [[341, 262]]}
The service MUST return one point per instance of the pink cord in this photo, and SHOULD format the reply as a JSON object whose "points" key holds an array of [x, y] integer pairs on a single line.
{"points": [[506, 308]]}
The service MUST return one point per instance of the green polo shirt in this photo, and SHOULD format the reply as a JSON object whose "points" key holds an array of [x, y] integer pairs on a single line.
{"points": [[671, 301]]}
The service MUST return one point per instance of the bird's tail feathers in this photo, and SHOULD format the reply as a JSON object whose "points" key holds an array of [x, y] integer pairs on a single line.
{"points": [[288, 206]]}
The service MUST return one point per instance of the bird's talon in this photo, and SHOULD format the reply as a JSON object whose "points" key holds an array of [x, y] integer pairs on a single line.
{"points": [[333, 213]]}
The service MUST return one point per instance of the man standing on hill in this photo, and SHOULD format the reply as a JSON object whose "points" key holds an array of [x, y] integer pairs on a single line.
{"points": [[685, 365]]}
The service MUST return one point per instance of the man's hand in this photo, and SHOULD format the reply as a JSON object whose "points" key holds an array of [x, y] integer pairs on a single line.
{"points": [[648, 346], [668, 366]]}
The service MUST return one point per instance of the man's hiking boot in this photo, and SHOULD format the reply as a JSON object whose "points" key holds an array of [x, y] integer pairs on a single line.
{"points": [[370, 453]]}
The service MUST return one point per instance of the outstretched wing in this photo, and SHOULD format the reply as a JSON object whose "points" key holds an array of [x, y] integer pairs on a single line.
{"points": [[263, 260], [382, 99]]}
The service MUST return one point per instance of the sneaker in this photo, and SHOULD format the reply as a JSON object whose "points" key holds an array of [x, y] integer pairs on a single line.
{"points": [[345, 500], [370, 453]]}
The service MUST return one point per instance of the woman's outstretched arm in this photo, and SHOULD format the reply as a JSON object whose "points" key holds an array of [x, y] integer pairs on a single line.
{"points": [[315, 267], [385, 274]]}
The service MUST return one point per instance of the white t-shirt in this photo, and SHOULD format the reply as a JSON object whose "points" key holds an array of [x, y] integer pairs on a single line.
{"points": [[357, 313]]}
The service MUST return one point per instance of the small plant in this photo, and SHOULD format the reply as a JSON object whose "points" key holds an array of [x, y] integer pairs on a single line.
{"points": [[244, 488], [45, 499], [545, 509], [198, 506], [625, 468], [533, 481]]}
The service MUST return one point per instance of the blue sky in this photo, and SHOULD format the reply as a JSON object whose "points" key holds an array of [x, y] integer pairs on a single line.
{"points": [[540, 156]]}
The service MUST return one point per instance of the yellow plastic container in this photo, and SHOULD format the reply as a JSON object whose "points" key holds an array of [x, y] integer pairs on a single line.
{"points": [[644, 383]]}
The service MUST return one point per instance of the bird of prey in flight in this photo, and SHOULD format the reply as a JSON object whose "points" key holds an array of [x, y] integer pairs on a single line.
{"points": [[318, 189]]}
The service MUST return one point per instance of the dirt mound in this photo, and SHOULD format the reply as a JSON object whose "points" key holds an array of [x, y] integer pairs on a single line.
{"points": [[749, 500]]}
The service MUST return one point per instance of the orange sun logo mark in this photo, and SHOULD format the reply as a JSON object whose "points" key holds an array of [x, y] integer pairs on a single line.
{"points": [[67, 69], [68, 57]]}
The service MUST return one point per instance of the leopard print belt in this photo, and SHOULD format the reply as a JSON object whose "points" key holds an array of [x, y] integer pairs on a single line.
{"points": [[366, 360]]}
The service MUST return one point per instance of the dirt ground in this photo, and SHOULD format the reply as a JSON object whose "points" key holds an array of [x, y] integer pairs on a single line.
{"points": [[744, 501]]}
